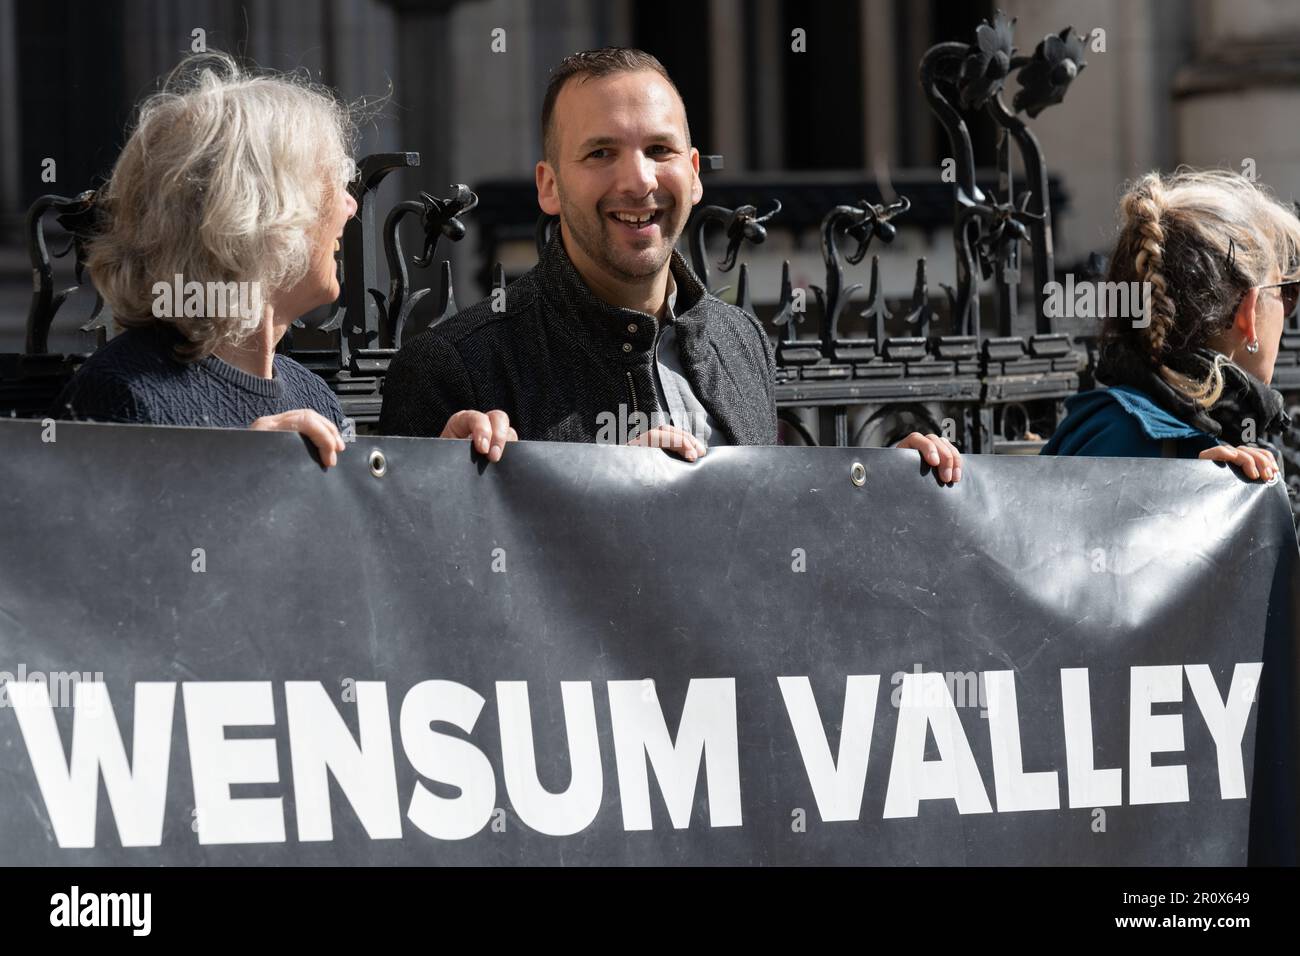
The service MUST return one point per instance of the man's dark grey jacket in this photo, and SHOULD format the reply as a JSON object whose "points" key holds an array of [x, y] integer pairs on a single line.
{"points": [[557, 357]]}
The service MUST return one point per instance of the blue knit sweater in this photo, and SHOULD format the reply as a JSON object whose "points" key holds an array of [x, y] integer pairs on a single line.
{"points": [[136, 378]]}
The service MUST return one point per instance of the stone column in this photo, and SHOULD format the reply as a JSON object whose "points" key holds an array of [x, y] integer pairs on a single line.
{"points": [[879, 94], [768, 60], [11, 212], [1116, 122], [727, 68], [1237, 99]]}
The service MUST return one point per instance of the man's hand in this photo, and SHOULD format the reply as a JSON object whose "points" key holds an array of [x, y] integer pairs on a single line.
{"points": [[1257, 463], [672, 439], [939, 453], [488, 432], [313, 426]]}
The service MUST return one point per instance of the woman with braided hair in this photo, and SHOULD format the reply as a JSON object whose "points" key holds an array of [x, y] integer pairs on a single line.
{"points": [[1188, 373]]}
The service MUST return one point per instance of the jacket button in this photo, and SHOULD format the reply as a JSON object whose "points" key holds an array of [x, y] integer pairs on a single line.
{"points": [[631, 328], [627, 346]]}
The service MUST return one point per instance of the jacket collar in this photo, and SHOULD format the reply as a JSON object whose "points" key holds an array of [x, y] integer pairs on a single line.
{"points": [[1244, 397], [609, 327], [1156, 422], [605, 329]]}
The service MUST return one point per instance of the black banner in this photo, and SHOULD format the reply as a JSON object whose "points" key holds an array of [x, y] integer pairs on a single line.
{"points": [[215, 652]]}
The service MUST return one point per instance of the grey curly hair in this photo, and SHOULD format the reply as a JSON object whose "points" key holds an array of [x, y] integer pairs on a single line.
{"points": [[226, 176]]}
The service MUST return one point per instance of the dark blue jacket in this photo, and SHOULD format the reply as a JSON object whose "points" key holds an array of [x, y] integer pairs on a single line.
{"points": [[1122, 422]]}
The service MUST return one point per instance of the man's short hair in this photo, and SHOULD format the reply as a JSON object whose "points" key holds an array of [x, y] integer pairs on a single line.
{"points": [[604, 62]]}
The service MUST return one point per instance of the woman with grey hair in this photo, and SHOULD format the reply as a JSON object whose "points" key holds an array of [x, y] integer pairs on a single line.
{"points": [[220, 226]]}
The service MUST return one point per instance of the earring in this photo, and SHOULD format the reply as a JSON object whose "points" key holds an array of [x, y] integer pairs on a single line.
{"points": [[1252, 346]]}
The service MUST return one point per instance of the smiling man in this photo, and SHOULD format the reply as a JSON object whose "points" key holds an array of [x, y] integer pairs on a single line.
{"points": [[611, 325]]}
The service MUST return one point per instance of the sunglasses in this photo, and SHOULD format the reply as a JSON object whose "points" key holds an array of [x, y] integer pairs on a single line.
{"points": [[1288, 292]]}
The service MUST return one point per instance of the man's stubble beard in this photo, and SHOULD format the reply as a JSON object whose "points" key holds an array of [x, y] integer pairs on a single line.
{"points": [[595, 240]]}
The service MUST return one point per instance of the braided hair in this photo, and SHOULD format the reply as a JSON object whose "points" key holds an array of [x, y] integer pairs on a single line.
{"points": [[1200, 239]]}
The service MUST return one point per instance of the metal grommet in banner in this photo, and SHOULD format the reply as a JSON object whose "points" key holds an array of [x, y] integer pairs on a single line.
{"points": [[858, 474], [378, 463], [1277, 476]]}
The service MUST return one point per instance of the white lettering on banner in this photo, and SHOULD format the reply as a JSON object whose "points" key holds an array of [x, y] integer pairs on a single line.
{"points": [[954, 776], [216, 763], [137, 793], [1226, 723], [837, 783], [1155, 733], [1088, 787], [706, 733], [321, 744], [1015, 789], [447, 759], [555, 814]]}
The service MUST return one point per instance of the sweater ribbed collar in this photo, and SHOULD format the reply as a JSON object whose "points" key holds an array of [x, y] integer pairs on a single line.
{"points": [[168, 337]]}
